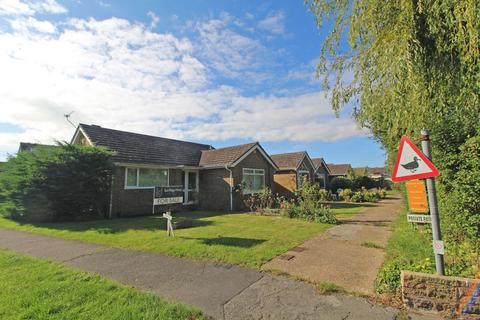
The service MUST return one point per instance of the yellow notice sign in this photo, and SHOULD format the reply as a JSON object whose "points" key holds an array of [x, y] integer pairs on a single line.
{"points": [[417, 197]]}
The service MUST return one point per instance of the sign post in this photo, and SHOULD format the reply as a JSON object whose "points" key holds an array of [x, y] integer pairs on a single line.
{"points": [[166, 197], [432, 200], [414, 164]]}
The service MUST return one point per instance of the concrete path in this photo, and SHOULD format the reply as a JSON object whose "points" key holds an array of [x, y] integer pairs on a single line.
{"points": [[340, 255], [222, 291]]}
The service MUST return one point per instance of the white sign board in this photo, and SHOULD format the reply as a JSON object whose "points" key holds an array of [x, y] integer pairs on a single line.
{"points": [[419, 218], [162, 201], [438, 247]]}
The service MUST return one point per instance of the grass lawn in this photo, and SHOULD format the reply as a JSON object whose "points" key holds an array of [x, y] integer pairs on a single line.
{"points": [[239, 238], [409, 248], [32, 288], [345, 209]]}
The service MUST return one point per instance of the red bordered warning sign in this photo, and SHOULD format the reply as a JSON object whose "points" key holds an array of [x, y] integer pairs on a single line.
{"points": [[411, 163]]}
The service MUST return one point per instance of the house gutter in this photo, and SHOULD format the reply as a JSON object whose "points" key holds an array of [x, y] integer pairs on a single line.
{"points": [[231, 187]]}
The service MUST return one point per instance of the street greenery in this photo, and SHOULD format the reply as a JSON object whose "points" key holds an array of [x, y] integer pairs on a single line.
{"points": [[60, 292], [239, 238], [64, 182], [408, 65]]}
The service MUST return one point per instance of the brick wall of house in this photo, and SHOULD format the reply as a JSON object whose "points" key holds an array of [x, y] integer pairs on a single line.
{"points": [[254, 161], [285, 183], [138, 202], [214, 190]]}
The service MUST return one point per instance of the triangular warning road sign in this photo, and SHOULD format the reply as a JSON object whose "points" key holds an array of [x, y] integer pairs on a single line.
{"points": [[411, 163]]}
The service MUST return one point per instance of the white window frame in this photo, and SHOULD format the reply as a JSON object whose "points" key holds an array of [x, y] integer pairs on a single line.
{"points": [[126, 187], [254, 173]]}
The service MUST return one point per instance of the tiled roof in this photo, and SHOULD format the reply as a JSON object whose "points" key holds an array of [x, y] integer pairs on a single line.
{"points": [[338, 169], [317, 162], [288, 161], [378, 170], [144, 149], [224, 156]]}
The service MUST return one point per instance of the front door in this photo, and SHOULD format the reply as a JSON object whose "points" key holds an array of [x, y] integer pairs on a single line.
{"points": [[190, 186]]}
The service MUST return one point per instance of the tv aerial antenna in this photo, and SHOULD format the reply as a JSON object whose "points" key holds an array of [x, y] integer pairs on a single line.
{"points": [[67, 117]]}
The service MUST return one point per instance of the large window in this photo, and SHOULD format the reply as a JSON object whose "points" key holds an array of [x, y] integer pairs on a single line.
{"points": [[253, 180], [145, 178]]}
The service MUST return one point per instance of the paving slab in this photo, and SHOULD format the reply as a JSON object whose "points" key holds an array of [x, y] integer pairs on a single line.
{"points": [[280, 298], [340, 255], [205, 285]]}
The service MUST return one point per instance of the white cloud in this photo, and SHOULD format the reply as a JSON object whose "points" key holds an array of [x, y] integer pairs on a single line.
{"points": [[274, 23], [18, 7], [121, 74], [31, 24], [155, 19]]}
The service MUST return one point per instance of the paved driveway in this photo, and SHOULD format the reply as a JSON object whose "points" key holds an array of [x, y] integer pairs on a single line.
{"points": [[340, 255]]}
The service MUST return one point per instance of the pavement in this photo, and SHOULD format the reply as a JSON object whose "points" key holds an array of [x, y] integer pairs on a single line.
{"points": [[339, 255], [222, 291]]}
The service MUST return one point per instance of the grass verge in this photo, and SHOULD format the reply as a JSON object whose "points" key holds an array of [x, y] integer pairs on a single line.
{"points": [[243, 239], [32, 288], [327, 287], [409, 248]]}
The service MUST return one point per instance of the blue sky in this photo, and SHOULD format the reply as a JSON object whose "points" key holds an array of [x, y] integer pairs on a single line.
{"points": [[218, 72]]}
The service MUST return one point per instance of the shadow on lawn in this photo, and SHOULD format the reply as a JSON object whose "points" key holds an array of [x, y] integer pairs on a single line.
{"points": [[229, 241], [118, 225]]}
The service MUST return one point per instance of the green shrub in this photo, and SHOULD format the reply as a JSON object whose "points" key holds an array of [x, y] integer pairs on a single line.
{"points": [[364, 182], [324, 195], [308, 205], [346, 194], [358, 196], [262, 201], [370, 196], [340, 183], [57, 183]]}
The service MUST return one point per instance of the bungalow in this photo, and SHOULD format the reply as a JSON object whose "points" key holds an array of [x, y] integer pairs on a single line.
{"points": [[293, 169], [339, 170], [322, 172], [210, 179]]}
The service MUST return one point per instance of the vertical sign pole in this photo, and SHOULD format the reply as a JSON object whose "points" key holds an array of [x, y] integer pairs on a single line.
{"points": [[432, 200]]}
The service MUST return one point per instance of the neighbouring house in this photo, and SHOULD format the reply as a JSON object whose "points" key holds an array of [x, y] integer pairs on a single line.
{"points": [[378, 173], [293, 169], [29, 147], [209, 178], [338, 170], [322, 172]]}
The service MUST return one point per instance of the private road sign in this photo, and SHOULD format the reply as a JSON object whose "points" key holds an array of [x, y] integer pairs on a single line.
{"points": [[411, 163]]}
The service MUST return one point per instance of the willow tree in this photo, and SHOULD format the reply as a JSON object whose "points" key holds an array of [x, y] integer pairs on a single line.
{"points": [[406, 65]]}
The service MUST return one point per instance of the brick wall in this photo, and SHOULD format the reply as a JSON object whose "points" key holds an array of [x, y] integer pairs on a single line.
{"points": [[448, 296], [254, 161], [214, 190], [138, 202], [285, 183]]}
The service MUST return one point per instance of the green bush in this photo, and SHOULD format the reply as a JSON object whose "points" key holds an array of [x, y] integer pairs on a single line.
{"points": [[308, 205], [364, 182], [346, 194], [340, 183], [265, 199], [371, 196], [358, 196], [57, 183], [324, 195]]}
